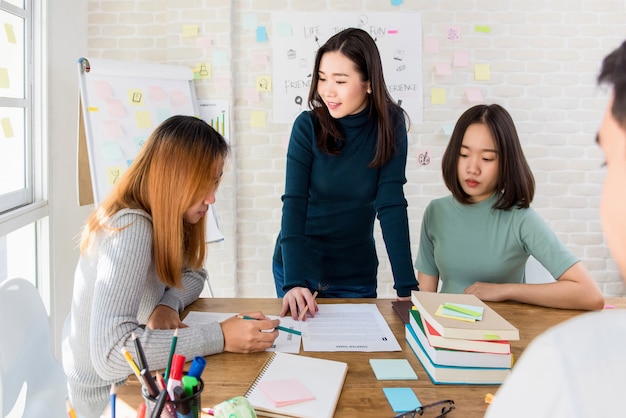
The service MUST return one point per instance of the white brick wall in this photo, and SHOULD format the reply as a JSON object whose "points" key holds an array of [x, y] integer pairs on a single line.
{"points": [[544, 57]]}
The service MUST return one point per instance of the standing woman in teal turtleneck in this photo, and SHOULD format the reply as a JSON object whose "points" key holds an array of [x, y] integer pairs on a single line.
{"points": [[345, 166]]}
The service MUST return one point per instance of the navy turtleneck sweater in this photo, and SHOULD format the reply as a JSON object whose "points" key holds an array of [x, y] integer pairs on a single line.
{"points": [[330, 204]]}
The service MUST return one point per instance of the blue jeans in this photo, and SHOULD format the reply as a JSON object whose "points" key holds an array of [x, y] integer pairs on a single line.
{"points": [[324, 290]]}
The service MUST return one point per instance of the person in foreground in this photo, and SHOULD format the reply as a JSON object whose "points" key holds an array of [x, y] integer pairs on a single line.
{"points": [[142, 252], [577, 368], [479, 239], [345, 165]]}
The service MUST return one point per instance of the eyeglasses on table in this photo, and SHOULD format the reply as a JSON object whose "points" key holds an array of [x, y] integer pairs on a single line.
{"points": [[433, 410]]}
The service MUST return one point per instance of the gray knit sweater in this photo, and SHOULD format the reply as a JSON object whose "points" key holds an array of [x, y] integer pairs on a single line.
{"points": [[116, 288]]}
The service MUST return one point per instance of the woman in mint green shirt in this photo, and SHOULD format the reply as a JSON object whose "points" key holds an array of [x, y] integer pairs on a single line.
{"points": [[478, 239]]}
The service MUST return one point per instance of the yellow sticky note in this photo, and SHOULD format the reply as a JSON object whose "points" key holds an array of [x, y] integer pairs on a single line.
{"points": [[7, 128], [114, 174], [202, 71], [264, 83], [482, 72], [4, 78], [438, 96], [190, 31], [257, 119], [135, 97], [143, 120], [8, 28]]}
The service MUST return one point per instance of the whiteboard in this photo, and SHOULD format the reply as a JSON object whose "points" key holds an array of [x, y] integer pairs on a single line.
{"points": [[121, 104], [298, 35]]}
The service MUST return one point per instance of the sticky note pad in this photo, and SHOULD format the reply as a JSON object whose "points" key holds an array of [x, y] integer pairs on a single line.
{"points": [[392, 369], [402, 399], [286, 391]]}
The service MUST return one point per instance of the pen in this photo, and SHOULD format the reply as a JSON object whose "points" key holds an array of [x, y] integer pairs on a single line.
{"points": [[149, 383], [141, 357], [112, 399], [197, 366], [306, 308], [160, 403], [172, 350], [162, 387], [292, 331]]}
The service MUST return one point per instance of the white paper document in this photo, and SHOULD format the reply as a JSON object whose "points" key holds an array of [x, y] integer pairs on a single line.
{"points": [[348, 327], [285, 343]]}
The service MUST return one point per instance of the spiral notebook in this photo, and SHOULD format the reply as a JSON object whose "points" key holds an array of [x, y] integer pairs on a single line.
{"points": [[322, 378]]}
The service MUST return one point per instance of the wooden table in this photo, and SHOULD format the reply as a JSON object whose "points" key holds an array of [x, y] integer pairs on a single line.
{"points": [[227, 374]]}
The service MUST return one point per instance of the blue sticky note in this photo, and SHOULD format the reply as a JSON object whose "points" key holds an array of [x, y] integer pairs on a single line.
{"points": [[402, 399], [261, 34], [396, 2], [392, 369]]}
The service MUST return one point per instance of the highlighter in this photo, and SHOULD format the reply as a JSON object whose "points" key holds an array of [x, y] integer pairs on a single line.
{"points": [[176, 374]]}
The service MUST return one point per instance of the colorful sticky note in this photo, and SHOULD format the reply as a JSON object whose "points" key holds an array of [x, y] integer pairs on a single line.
{"points": [[392, 369], [461, 59], [112, 129], [482, 28], [284, 29], [285, 392], [114, 174], [156, 93], [143, 119], [178, 98], [4, 78], [474, 95], [257, 119], [219, 58], [162, 113], [139, 141], [431, 45], [203, 71], [443, 68], [396, 2], [261, 34], [423, 157], [259, 58], [204, 42], [453, 34], [438, 96], [112, 151], [7, 128], [135, 97], [8, 29], [448, 128], [402, 399], [116, 108], [190, 31], [264, 83], [103, 89], [481, 72], [252, 95], [249, 20]]}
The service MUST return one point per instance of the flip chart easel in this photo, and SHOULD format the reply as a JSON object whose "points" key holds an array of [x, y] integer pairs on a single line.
{"points": [[121, 103]]}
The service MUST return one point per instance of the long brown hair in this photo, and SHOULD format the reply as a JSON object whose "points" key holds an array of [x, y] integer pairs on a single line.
{"points": [[358, 46], [177, 166]]}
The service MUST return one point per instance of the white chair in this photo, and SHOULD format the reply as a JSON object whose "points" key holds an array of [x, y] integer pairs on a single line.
{"points": [[32, 381]]}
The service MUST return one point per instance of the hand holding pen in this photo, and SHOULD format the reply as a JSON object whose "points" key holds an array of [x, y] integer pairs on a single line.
{"points": [[241, 336]]}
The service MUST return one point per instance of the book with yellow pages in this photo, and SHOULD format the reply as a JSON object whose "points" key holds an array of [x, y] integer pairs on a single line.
{"points": [[492, 326], [322, 380]]}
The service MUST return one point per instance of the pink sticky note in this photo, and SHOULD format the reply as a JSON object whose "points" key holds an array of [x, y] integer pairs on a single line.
{"points": [[453, 34], [443, 68], [103, 89], [286, 391], [156, 93], [116, 108], [178, 98], [112, 129], [461, 59], [431, 45], [474, 95]]}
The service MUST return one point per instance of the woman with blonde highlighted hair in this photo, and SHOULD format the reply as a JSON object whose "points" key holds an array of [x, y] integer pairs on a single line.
{"points": [[142, 252]]}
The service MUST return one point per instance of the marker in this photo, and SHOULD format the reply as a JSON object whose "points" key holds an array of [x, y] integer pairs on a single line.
{"points": [[292, 331], [172, 351], [176, 374], [197, 367]]}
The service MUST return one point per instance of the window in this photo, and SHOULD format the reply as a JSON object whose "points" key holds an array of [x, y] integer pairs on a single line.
{"points": [[23, 208]]}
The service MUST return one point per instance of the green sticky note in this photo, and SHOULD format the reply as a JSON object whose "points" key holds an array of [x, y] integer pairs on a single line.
{"points": [[392, 369], [482, 28]]}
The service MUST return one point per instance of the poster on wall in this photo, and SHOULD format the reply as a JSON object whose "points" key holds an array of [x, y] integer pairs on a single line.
{"points": [[297, 37]]}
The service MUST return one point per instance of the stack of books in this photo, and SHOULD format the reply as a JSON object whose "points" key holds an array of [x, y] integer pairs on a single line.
{"points": [[470, 345]]}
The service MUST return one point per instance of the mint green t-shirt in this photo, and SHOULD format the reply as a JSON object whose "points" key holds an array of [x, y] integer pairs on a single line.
{"points": [[464, 244]]}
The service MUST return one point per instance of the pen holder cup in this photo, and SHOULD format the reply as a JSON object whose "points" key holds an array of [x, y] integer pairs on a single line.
{"points": [[187, 406]]}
